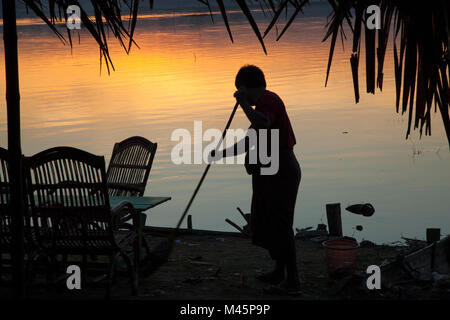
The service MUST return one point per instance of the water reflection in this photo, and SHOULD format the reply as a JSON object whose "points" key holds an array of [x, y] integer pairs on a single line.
{"points": [[185, 71]]}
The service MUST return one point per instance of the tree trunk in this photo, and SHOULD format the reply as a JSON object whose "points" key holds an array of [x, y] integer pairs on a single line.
{"points": [[446, 120], [14, 147]]}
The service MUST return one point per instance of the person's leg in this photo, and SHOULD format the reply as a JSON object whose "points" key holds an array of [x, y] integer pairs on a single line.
{"points": [[291, 252], [261, 227], [292, 279], [286, 198], [285, 255], [291, 283], [276, 275]]}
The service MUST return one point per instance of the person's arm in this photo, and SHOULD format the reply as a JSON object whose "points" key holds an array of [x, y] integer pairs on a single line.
{"points": [[238, 148], [258, 119]]}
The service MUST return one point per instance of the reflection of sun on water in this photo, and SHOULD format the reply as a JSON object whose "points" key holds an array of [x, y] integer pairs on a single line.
{"points": [[187, 73]]}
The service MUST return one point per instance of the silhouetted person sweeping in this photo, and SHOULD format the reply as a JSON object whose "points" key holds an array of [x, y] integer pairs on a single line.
{"points": [[274, 195]]}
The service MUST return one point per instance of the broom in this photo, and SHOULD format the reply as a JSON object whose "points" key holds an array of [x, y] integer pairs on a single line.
{"points": [[162, 251]]}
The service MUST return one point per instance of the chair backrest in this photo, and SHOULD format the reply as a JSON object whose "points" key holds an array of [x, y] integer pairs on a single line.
{"points": [[130, 166], [5, 213], [68, 194]]}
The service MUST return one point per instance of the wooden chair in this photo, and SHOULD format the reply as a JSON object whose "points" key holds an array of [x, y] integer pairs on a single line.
{"points": [[71, 212], [128, 171], [130, 166]]}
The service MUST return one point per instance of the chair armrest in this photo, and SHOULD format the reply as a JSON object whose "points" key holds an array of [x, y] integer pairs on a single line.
{"points": [[124, 211]]}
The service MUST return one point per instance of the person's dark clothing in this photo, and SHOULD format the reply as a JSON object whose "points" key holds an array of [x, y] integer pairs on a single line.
{"points": [[274, 196], [272, 106], [273, 205]]}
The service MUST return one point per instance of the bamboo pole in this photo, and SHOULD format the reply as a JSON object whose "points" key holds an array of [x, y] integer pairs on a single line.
{"points": [[443, 107], [14, 145], [205, 172]]}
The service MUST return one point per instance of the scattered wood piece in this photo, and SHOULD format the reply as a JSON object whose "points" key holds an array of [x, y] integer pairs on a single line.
{"points": [[311, 234], [189, 222], [415, 243], [245, 216], [236, 226], [334, 219], [200, 263], [303, 229]]}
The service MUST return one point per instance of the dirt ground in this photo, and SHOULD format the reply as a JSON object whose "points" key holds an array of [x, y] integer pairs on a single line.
{"points": [[224, 267], [217, 267]]}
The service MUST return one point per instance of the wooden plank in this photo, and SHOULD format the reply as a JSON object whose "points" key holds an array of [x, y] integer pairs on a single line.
{"points": [[334, 219], [433, 235], [189, 222]]}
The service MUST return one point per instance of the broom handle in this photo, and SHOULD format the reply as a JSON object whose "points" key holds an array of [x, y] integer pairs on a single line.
{"points": [[204, 173]]}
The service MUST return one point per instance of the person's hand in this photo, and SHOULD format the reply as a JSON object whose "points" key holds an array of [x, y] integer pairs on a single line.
{"points": [[214, 156], [241, 96]]}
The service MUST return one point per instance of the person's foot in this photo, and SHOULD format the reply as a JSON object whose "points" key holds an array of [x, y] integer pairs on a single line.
{"points": [[272, 277], [284, 288]]}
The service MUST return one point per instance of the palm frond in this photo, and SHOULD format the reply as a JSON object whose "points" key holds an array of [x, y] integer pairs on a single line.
{"points": [[107, 16], [225, 18], [421, 41]]}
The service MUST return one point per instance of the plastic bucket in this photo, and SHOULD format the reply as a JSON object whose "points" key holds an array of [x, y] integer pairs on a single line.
{"points": [[341, 257]]}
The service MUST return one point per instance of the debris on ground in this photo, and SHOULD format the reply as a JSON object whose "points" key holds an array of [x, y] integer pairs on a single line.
{"points": [[415, 244], [422, 273], [366, 244], [307, 233], [229, 268]]}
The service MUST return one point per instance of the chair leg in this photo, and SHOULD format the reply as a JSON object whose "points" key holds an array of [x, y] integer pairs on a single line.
{"points": [[131, 274], [30, 275], [1, 267], [52, 271], [84, 277], [114, 273], [137, 255], [146, 246], [112, 264]]}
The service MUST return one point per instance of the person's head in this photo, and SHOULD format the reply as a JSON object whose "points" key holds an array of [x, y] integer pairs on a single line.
{"points": [[252, 79]]}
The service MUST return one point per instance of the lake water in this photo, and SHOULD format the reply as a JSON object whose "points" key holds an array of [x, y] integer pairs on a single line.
{"points": [[184, 71]]}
